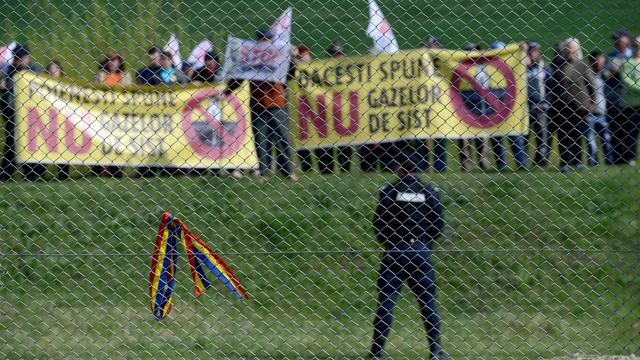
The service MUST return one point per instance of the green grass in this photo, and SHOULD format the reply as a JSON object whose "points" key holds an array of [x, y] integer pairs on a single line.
{"points": [[79, 32], [307, 256], [305, 251]]}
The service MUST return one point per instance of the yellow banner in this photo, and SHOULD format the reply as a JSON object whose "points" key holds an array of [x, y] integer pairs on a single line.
{"points": [[407, 95], [65, 123]]}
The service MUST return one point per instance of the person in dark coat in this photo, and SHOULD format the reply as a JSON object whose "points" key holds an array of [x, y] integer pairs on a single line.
{"points": [[408, 219], [573, 99], [21, 62]]}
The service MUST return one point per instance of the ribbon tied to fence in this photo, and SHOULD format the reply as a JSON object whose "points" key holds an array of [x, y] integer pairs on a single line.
{"points": [[163, 265]]}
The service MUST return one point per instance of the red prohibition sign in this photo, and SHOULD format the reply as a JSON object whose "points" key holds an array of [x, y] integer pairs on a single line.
{"points": [[231, 140], [502, 107]]}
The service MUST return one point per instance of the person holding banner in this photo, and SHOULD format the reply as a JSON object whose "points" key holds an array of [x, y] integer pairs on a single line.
{"points": [[54, 69], [150, 75], [303, 54], [210, 72], [517, 142], [21, 62], [466, 152], [269, 115], [112, 71], [344, 153], [437, 146]]}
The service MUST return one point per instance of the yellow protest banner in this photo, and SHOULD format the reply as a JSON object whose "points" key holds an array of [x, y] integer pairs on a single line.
{"points": [[68, 123], [485, 93], [407, 95]]}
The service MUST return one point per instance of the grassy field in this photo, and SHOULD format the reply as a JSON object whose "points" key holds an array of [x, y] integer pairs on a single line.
{"points": [[533, 265], [79, 32], [307, 256]]}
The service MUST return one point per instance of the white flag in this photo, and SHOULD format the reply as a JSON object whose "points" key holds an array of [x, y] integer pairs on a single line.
{"points": [[281, 29], [173, 48], [380, 31], [6, 55], [196, 59]]}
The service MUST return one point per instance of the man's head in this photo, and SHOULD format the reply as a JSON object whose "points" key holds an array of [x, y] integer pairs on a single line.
{"points": [[302, 53], [211, 61], [264, 35], [165, 60], [621, 40], [187, 69], [405, 164], [469, 46], [335, 50], [22, 56], [597, 60], [635, 45], [54, 69], [113, 63], [533, 51], [154, 56], [571, 50], [432, 42], [496, 45]]}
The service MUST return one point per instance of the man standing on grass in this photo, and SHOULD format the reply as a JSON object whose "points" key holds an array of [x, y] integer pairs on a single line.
{"points": [[408, 220], [269, 116]]}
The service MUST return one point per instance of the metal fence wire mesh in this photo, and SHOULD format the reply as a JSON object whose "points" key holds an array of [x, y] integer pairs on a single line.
{"points": [[466, 169]]}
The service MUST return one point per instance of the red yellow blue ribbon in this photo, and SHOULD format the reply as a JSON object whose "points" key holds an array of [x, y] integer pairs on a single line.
{"points": [[200, 257]]}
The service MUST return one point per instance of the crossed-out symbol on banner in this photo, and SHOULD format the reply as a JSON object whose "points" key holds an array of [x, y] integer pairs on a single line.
{"points": [[482, 107], [213, 138]]}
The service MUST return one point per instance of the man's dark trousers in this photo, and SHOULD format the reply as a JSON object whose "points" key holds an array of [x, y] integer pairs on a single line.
{"points": [[410, 262]]}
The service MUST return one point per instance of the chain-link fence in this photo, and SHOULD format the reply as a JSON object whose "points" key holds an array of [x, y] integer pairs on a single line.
{"points": [[291, 138]]}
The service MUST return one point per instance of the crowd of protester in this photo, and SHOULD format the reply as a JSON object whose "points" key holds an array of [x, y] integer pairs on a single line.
{"points": [[590, 101]]}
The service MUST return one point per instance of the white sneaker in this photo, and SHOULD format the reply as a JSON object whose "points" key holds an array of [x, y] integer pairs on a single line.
{"points": [[236, 174]]}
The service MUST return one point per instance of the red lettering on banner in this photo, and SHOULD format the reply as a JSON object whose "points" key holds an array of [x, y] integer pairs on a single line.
{"points": [[49, 133], [354, 116], [37, 128], [318, 119], [70, 139]]}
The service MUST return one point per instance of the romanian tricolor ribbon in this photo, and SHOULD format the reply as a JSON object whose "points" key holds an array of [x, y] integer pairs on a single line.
{"points": [[200, 257]]}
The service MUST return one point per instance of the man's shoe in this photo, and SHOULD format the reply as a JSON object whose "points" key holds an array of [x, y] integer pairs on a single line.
{"points": [[236, 174]]}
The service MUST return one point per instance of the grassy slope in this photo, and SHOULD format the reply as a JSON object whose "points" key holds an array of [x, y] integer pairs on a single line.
{"points": [[78, 32], [320, 303]]}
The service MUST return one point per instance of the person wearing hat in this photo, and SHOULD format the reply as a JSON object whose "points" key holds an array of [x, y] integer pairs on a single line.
{"points": [[21, 62], [407, 221]]}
